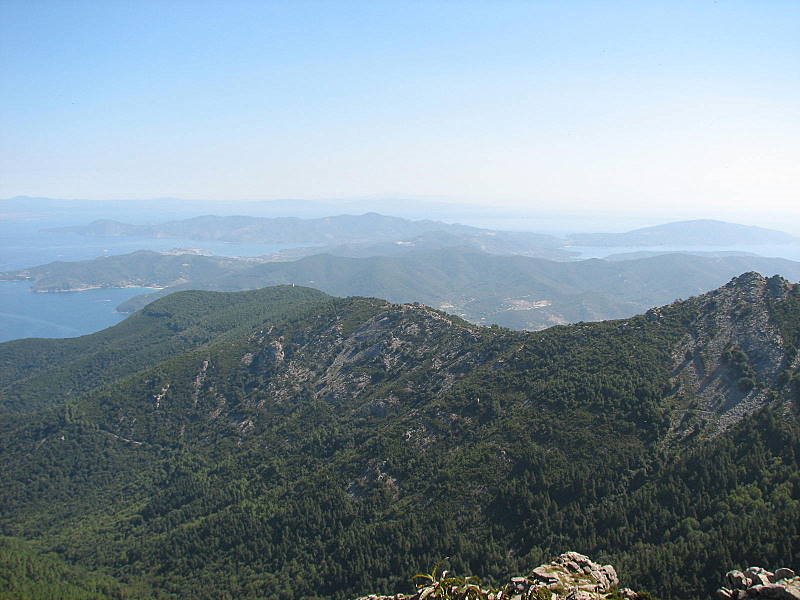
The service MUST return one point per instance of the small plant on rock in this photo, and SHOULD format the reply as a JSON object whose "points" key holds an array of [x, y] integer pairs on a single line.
{"points": [[441, 585]]}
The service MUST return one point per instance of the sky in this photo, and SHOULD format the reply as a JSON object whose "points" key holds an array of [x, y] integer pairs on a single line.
{"points": [[669, 109]]}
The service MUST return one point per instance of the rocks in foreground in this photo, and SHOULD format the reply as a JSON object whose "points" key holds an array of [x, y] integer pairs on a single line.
{"points": [[756, 582], [571, 576]]}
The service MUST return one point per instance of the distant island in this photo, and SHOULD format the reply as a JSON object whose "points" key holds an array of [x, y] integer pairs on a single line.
{"points": [[703, 232]]}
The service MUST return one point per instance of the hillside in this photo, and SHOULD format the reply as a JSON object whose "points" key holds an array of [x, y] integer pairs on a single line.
{"points": [[304, 446], [513, 291], [33, 371], [702, 232]]}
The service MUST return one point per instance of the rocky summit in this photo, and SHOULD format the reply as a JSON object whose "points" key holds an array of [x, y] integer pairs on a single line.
{"points": [[571, 576], [574, 576]]}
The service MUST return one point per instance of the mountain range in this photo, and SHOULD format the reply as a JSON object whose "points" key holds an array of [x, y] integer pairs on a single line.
{"points": [[373, 234], [514, 291], [284, 443]]}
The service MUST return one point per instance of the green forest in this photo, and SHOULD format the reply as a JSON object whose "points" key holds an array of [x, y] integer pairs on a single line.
{"points": [[282, 443]]}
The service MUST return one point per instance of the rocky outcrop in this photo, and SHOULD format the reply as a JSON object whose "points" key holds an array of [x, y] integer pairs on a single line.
{"points": [[571, 576], [731, 357], [756, 582]]}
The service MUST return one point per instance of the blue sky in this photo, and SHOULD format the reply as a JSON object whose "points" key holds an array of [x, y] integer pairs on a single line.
{"points": [[673, 108]]}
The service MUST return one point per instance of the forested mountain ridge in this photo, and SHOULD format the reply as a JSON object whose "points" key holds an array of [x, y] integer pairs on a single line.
{"points": [[337, 446], [514, 291], [39, 371]]}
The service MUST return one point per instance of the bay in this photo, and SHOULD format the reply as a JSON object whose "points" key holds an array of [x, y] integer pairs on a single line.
{"points": [[28, 243], [25, 314]]}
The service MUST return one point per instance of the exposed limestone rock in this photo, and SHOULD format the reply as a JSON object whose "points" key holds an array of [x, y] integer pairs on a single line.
{"points": [[571, 576], [199, 379], [276, 351], [731, 357], [160, 396]]}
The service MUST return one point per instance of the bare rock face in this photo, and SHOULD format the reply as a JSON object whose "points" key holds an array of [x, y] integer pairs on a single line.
{"points": [[731, 357], [570, 576], [756, 582]]}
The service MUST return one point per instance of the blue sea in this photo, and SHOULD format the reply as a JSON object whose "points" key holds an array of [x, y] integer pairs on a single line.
{"points": [[27, 243], [25, 314]]}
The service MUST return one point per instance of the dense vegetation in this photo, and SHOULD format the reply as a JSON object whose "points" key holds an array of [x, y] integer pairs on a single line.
{"points": [[35, 371], [29, 574], [285, 444]]}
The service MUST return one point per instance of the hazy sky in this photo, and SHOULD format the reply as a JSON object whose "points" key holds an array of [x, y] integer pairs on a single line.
{"points": [[669, 108]]}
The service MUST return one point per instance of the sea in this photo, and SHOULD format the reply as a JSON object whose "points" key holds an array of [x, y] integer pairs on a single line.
{"points": [[28, 243]]}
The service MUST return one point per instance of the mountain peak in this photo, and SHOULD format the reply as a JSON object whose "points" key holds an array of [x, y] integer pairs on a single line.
{"points": [[571, 575], [735, 353], [748, 279]]}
